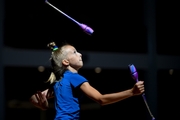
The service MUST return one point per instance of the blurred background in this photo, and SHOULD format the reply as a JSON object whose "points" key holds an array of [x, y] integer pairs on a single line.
{"points": [[144, 33]]}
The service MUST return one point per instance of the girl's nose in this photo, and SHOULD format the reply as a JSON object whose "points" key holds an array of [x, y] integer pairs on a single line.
{"points": [[80, 54]]}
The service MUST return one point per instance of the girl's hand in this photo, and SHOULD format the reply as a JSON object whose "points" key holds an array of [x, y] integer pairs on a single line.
{"points": [[138, 88], [39, 100]]}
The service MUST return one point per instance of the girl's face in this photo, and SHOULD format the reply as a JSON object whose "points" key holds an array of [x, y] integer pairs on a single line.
{"points": [[74, 58]]}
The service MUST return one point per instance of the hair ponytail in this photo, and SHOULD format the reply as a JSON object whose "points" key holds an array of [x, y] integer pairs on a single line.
{"points": [[53, 48]]}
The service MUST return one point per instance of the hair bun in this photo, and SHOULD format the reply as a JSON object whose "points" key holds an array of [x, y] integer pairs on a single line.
{"points": [[52, 46]]}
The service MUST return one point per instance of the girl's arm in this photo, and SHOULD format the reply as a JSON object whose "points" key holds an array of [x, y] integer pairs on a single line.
{"points": [[105, 99], [40, 99]]}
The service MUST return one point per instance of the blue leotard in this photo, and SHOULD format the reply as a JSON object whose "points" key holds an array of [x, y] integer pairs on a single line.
{"points": [[67, 96]]}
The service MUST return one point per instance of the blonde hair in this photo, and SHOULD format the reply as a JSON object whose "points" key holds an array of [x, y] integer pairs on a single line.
{"points": [[57, 56]]}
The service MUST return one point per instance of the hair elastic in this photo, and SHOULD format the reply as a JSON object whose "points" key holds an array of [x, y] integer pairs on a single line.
{"points": [[55, 48]]}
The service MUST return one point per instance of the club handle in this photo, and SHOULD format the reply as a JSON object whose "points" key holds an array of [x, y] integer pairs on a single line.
{"points": [[145, 101]]}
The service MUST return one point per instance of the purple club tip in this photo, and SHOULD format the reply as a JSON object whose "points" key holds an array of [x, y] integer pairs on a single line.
{"points": [[133, 72], [86, 29]]}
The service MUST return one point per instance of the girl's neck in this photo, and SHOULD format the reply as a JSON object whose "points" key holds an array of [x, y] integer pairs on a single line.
{"points": [[72, 69]]}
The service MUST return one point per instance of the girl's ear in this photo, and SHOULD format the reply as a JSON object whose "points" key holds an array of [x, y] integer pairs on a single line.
{"points": [[65, 62]]}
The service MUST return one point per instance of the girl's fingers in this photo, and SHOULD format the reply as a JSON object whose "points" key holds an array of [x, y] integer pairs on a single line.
{"points": [[42, 96], [37, 97]]}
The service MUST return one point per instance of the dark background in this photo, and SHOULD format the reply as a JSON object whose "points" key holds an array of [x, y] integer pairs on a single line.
{"points": [[119, 28], [118, 23], [31, 25]]}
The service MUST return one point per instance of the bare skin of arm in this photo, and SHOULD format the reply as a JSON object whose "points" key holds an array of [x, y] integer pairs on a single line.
{"points": [[105, 99], [40, 99]]}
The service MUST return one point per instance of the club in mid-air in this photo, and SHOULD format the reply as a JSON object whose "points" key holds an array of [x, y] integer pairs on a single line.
{"points": [[84, 27]]}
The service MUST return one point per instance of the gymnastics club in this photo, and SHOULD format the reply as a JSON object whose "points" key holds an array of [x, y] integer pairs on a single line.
{"points": [[134, 75], [84, 27]]}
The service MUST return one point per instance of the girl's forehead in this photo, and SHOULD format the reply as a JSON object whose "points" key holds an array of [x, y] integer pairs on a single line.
{"points": [[69, 47]]}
